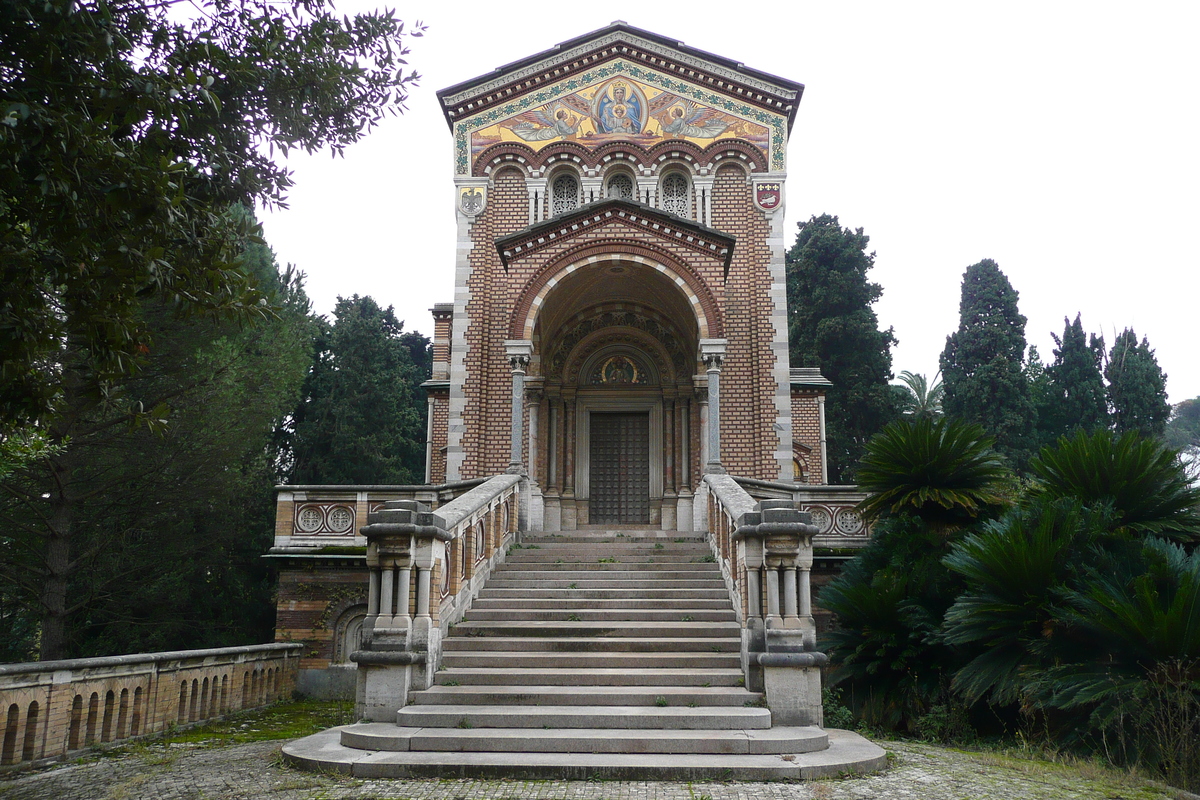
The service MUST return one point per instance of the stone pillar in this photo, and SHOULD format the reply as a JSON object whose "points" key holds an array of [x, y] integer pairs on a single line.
{"points": [[712, 351], [778, 538], [399, 652], [519, 352], [570, 515]]}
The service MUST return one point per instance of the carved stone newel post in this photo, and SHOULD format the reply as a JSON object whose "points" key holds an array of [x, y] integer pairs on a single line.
{"points": [[402, 646], [779, 638]]}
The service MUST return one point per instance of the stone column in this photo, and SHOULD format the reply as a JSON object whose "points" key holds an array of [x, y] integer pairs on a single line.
{"points": [[712, 351], [519, 352]]}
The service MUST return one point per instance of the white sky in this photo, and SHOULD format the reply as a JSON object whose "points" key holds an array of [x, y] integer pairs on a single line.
{"points": [[1058, 138]]}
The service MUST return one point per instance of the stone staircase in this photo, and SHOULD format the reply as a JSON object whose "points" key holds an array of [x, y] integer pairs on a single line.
{"points": [[598, 653]]}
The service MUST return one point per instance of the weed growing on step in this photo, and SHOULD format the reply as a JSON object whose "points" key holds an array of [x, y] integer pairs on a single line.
{"points": [[660, 701], [607, 561], [680, 540], [573, 586], [688, 618], [659, 545], [573, 618], [465, 723], [450, 683]]}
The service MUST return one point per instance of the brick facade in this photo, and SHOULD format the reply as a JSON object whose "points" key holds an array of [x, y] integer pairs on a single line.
{"points": [[610, 214]]}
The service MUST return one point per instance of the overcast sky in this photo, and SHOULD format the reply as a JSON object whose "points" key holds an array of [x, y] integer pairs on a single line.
{"points": [[1058, 138]]}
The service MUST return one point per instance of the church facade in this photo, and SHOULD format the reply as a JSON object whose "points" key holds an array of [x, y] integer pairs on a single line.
{"points": [[618, 327], [620, 261]]}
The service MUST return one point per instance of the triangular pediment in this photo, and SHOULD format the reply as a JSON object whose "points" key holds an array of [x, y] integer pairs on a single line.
{"points": [[642, 220], [624, 84]]}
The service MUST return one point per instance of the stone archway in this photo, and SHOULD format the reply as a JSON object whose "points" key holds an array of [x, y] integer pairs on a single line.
{"points": [[612, 379]]}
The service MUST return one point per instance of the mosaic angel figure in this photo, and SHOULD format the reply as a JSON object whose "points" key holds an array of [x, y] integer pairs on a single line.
{"points": [[683, 119], [535, 126]]}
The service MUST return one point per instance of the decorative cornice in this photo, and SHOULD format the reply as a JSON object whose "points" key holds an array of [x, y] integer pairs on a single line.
{"points": [[620, 40], [659, 224]]}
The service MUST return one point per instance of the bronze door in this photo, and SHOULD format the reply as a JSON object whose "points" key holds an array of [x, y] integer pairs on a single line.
{"points": [[620, 469]]}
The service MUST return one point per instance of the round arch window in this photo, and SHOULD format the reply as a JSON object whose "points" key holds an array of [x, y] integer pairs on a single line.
{"points": [[676, 195]]}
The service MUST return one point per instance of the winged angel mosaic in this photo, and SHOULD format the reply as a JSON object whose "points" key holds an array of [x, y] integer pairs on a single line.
{"points": [[620, 109]]}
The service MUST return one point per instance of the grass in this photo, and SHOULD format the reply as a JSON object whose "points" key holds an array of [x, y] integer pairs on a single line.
{"points": [[281, 721]]}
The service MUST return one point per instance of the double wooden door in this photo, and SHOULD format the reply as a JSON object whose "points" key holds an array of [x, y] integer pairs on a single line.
{"points": [[620, 469]]}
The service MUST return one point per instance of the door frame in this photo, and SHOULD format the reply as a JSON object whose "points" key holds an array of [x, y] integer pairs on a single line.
{"points": [[620, 402]]}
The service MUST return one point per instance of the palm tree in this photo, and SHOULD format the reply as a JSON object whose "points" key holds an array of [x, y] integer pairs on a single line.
{"points": [[918, 397]]}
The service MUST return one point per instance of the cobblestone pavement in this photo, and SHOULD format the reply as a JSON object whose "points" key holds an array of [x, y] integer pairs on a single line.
{"points": [[254, 772]]}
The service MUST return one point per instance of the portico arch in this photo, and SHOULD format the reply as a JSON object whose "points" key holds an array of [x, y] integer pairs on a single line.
{"points": [[615, 343]]}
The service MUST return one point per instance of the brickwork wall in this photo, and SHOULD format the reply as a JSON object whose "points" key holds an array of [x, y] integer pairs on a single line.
{"points": [[441, 429], [748, 438], [488, 386], [309, 602], [806, 429]]}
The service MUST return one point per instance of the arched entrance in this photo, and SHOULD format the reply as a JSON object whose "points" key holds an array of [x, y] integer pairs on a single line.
{"points": [[614, 358]]}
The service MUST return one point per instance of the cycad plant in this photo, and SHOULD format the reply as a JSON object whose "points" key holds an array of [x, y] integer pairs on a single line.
{"points": [[944, 471], [1015, 570], [1141, 479]]}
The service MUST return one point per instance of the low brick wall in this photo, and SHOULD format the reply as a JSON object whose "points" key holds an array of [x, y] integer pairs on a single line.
{"points": [[52, 708]]}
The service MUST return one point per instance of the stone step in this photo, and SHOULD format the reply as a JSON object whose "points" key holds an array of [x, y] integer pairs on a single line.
{"points": [[533, 695], [848, 753], [499, 676], [633, 717], [473, 659], [655, 569], [599, 645], [387, 737], [626, 580], [571, 629], [605, 594], [590, 614], [609, 603]]}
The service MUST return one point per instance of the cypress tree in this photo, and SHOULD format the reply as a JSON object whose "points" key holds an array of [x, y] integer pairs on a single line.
{"points": [[1137, 387], [832, 326], [982, 364], [362, 418], [1075, 398]]}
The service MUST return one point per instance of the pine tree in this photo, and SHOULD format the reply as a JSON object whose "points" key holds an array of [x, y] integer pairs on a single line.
{"points": [[1075, 398], [1137, 387], [832, 326], [982, 364]]}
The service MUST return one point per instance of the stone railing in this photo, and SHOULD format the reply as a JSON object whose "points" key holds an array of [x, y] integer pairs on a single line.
{"points": [[834, 509], [310, 517], [765, 550], [56, 707], [425, 569]]}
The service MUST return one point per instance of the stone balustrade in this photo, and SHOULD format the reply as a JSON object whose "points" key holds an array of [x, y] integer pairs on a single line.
{"points": [[425, 567], [54, 708], [765, 550]]}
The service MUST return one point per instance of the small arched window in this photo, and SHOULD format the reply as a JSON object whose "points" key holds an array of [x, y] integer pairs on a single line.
{"points": [[676, 195], [564, 194], [620, 187]]}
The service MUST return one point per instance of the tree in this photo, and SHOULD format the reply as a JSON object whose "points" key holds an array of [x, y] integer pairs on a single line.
{"points": [[982, 363], [919, 399], [144, 530], [1137, 387], [362, 418], [125, 136], [1183, 429], [832, 326], [1076, 399]]}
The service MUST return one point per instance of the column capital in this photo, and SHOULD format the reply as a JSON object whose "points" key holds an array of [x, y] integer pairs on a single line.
{"points": [[519, 352], [712, 353]]}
